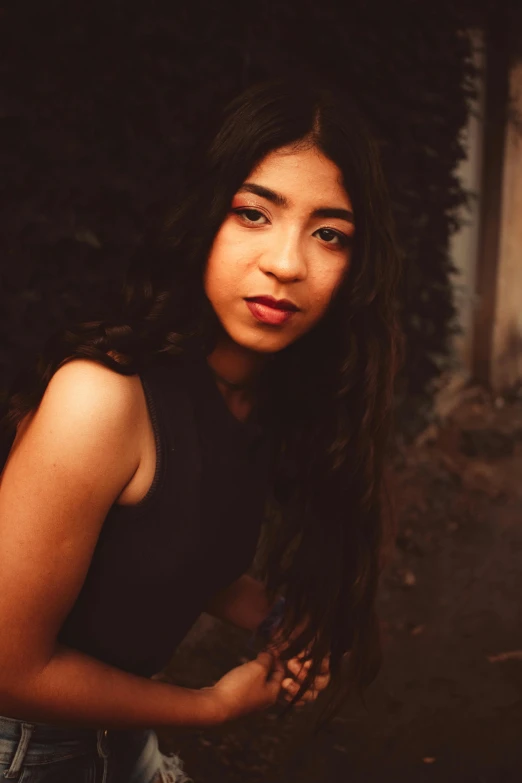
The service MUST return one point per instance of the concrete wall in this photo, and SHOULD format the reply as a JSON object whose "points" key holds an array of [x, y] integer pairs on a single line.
{"points": [[464, 248], [464, 244], [506, 360]]}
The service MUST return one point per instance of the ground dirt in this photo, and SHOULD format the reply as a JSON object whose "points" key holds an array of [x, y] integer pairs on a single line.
{"points": [[447, 704]]}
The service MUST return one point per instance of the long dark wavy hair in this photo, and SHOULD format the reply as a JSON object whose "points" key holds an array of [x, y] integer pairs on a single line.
{"points": [[327, 398]]}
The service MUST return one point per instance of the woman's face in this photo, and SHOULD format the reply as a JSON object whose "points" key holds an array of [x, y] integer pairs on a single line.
{"points": [[282, 250]]}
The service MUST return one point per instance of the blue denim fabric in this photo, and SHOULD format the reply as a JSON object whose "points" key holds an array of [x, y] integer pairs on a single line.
{"points": [[42, 753]]}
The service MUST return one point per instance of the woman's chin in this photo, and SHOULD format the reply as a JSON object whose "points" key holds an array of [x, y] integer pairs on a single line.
{"points": [[264, 344]]}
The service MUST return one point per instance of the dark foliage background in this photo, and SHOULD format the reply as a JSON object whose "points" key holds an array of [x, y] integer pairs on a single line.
{"points": [[100, 103]]}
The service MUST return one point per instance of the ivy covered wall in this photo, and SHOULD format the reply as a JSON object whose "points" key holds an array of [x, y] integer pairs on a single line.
{"points": [[99, 103]]}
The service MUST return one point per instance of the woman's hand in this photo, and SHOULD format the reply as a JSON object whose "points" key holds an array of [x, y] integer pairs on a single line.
{"points": [[298, 668], [249, 688]]}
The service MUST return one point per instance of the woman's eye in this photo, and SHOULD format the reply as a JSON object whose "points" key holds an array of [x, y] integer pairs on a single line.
{"points": [[251, 216], [332, 237]]}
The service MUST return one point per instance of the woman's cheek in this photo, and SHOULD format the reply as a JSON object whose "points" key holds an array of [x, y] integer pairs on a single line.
{"points": [[215, 272], [323, 289]]}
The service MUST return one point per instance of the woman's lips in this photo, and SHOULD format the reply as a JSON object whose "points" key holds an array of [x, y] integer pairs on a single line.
{"points": [[270, 311]]}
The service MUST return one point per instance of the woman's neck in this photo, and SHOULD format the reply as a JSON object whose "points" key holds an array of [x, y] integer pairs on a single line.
{"points": [[237, 371]]}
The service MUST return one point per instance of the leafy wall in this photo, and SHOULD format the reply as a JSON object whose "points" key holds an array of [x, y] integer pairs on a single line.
{"points": [[99, 105]]}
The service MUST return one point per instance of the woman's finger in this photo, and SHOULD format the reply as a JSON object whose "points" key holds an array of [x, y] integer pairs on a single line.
{"points": [[291, 686], [266, 659], [306, 698], [278, 672], [325, 665], [321, 682], [298, 668]]}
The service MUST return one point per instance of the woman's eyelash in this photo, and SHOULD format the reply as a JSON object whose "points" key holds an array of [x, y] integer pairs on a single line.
{"points": [[251, 215], [254, 213], [343, 240]]}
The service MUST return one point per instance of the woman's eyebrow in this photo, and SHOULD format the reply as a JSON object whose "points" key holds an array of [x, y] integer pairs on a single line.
{"points": [[259, 190], [334, 212], [281, 201]]}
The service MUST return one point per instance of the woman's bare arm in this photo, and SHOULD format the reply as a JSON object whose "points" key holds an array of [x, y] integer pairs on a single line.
{"points": [[69, 463]]}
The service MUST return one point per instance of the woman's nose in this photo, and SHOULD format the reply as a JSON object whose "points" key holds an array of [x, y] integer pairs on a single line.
{"points": [[285, 261]]}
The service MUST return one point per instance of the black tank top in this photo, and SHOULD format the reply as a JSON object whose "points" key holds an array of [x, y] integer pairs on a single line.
{"points": [[157, 563]]}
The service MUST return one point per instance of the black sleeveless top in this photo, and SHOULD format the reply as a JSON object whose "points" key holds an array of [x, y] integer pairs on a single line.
{"points": [[157, 563]]}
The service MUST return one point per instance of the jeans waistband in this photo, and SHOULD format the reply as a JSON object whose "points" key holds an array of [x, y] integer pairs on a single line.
{"points": [[10, 729], [48, 742]]}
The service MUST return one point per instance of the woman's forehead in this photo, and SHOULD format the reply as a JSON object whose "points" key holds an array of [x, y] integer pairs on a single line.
{"points": [[302, 174]]}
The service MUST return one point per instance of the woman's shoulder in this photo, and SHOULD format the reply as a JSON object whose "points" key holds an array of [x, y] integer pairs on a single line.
{"points": [[83, 432], [90, 385], [89, 398]]}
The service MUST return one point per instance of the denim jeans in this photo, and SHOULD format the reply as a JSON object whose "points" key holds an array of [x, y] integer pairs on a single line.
{"points": [[43, 753]]}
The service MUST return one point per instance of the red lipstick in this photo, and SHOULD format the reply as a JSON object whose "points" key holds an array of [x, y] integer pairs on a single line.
{"points": [[271, 311]]}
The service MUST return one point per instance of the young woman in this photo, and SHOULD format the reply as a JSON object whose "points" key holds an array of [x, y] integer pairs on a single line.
{"points": [[252, 365]]}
